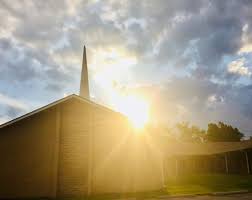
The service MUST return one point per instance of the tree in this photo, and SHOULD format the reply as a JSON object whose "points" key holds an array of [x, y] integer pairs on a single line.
{"points": [[222, 132], [189, 133], [161, 130]]}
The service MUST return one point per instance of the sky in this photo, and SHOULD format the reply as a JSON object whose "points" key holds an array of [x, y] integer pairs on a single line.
{"points": [[190, 59]]}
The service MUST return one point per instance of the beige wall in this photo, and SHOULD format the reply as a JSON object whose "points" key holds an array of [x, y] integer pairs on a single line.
{"points": [[99, 153], [123, 161], [27, 157], [76, 148], [73, 149]]}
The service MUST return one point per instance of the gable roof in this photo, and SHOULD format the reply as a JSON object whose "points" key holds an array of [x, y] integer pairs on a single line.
{"points": [[54, 104]]}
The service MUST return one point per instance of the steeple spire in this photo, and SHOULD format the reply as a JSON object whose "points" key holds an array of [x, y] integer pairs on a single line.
{"points": [[84, 86]]}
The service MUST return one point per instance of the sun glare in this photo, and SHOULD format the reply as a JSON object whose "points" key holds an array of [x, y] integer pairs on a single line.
{"points": [[112, 66], [136, 109]]}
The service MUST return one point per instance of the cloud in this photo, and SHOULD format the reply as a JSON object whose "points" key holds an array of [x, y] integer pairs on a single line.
{"points": [[200, 102], [3, 119], [188, 48], [11, 107], [11, 102], [214, 101], [238, 67]]}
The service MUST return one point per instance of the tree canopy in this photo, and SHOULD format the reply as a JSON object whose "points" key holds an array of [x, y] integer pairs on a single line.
{"points": [[216, 132], [222, 132], [185, 132], [189, 133]]}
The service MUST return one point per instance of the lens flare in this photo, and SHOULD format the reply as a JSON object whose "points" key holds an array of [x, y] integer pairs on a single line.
{"points": [[135, 108], [112, 66]]}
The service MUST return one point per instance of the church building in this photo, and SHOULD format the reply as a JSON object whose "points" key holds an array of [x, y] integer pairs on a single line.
{"points": [[75, 147]]}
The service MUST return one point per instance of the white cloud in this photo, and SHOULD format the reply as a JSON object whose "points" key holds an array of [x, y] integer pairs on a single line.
{"points": [[214, 100], [4, 120], [246, 44], [246, 48], [238, 67], [44, 51], [8, 101]]}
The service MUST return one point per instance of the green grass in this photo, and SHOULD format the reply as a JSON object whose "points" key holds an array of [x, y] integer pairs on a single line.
{"points": [[193, 184], [185, 185], [202, 184]]}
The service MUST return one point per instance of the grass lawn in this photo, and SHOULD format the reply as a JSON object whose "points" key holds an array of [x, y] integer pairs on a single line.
{"points": [[201, 184], [193, 184], [183, 185]]}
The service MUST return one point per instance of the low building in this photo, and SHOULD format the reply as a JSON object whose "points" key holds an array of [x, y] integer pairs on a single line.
{"points": [[74, 147], [207, 158]]}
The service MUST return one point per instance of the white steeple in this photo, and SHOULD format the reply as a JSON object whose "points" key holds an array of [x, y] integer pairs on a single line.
{"points": [[84, 86]]}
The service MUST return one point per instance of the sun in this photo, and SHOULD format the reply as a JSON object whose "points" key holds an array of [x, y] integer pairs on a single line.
{"points": [[107, 72], [136, 109]]}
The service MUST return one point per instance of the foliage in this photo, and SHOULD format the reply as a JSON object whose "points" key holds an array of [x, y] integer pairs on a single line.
{"points": [[222, 133], [162, 130], [185, 132], [189, 133], [219, 132]]}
